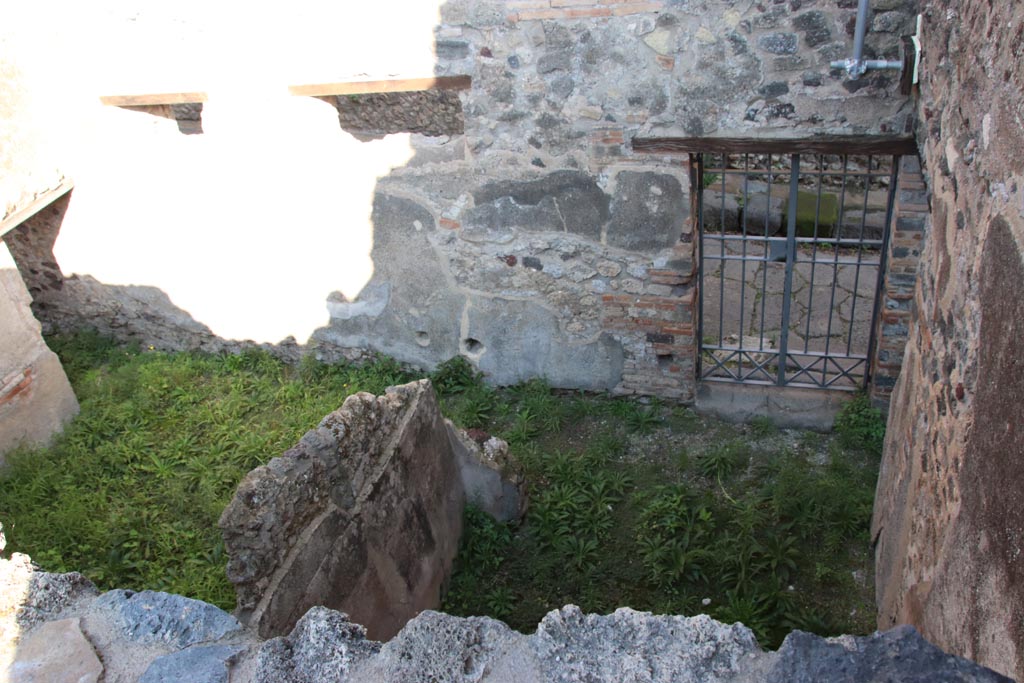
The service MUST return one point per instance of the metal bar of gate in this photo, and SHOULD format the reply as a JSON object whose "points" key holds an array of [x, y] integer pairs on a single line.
{"points": [[697, 161], [787, 288]]}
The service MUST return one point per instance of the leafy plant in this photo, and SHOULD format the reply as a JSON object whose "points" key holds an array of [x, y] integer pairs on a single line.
{"points": [[861, 426], [455, 376], [671, 534], [722, 460], [643, 420], [762, 426]]}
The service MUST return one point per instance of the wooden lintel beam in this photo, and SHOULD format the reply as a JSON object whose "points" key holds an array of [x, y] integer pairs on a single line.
{"points": [[153, 98], [382, 86], [42, 201], [824, 144]]}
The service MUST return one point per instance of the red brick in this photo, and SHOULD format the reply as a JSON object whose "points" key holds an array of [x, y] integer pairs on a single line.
{"points": [[18, 385]]}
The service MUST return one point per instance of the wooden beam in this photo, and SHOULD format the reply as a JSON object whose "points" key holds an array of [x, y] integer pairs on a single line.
{"points": [[382, 86], [153, 98], [35, 206], [824, 144]]}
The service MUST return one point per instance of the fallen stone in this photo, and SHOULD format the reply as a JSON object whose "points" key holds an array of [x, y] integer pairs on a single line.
{"points": [[56, 652], [151, 617], [363, 515], [198, 664]]}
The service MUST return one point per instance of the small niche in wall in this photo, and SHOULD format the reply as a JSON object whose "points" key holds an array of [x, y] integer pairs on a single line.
{"points": [[185, 109], [369, 110]]}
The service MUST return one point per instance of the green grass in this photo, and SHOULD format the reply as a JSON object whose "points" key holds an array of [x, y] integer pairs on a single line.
{"points": [[131, 492], [770, 536], [634, 504]]}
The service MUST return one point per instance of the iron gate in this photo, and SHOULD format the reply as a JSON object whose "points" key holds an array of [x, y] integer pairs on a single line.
{"points": [[792, 255]]}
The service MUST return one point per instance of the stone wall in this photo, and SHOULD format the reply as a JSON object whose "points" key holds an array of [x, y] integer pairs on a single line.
{"points": [[524, 232], [36, 400], [429, 112], [949, 514], [540, 244]]}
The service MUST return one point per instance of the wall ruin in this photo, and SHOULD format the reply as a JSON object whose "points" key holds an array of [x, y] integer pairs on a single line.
{"points": [[364, 514]]}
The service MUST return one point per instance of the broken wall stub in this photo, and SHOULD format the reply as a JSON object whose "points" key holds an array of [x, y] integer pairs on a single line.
{"points": [[363, 515], [906, 242], [949, 512], [36, 399], [538, 243]]}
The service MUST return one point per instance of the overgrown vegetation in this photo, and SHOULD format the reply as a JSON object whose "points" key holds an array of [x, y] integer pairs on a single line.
{"points": [[131, 492], [633, 504], [662, 510]]}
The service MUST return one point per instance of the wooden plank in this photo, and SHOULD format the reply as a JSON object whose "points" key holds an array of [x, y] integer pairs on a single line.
{"points": [[153, 98], [35, 206], [824, 144], [382, 86]]}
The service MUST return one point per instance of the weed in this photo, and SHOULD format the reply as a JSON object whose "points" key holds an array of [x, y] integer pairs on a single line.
{"points": [[861, 426], [643, 420], [762, 427], [722, 460], [455, 376]]}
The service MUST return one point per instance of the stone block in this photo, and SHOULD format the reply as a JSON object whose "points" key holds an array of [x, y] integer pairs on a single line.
{"points": [[152, 617], [570, 201], [36, 399], [648, 211], [364, 515], [199, 664]]}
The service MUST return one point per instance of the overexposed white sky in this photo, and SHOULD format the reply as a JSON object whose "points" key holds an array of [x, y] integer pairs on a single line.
{"points": [[249, 226]]}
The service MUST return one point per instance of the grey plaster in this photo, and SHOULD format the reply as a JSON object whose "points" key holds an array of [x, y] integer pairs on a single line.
{"points": [[648, 211], [538, 348]]}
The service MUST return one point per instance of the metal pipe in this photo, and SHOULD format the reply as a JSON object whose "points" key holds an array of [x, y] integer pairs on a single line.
{"points": [[860, 30], [856, 66]]}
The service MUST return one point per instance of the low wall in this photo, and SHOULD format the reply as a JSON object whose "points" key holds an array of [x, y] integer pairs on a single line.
{"points": [[62, 628]]}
